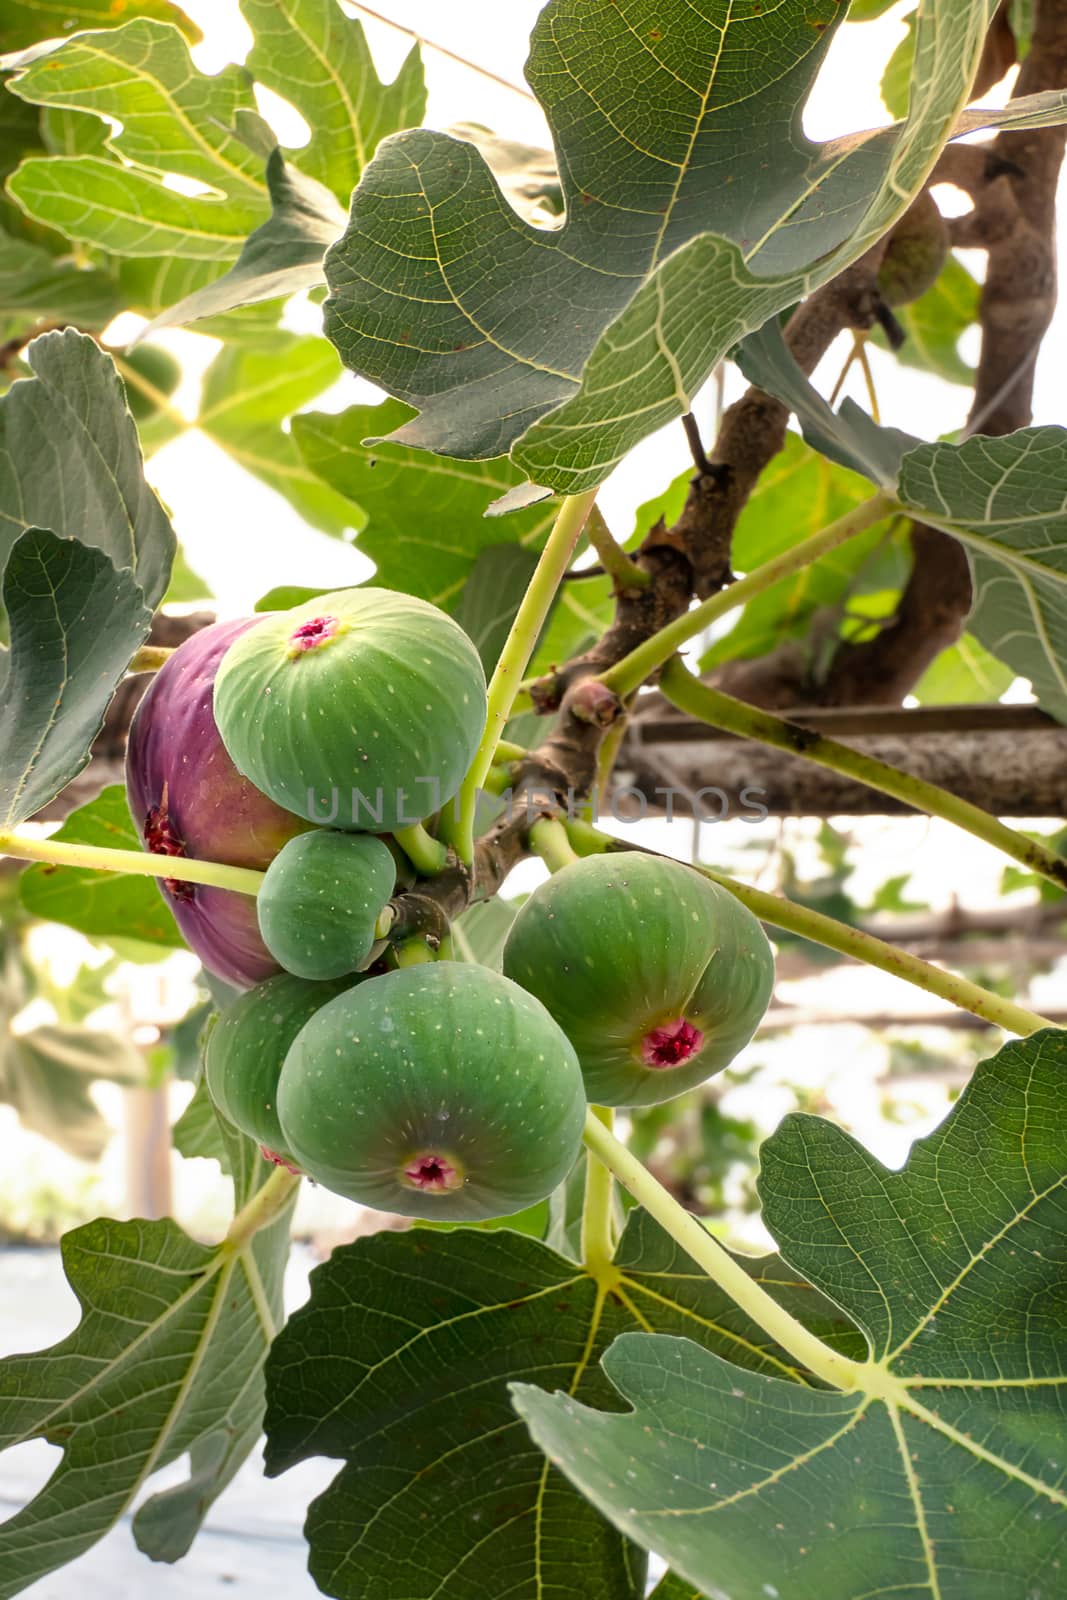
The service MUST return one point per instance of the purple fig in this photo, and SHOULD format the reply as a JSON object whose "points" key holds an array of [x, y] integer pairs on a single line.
{"points": [[188, 799]]}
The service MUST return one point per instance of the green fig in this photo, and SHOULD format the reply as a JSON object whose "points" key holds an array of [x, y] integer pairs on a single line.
{"points": [[320, 901], [657, 976], [440, 1091]]}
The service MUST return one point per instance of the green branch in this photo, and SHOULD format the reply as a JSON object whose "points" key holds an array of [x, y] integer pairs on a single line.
{"points": [[720, 1266], [548, 839], [853, 942], [624, 573], [265, 1207], [635, 669], [709, 705], [242, 880], [598, 1221], [518, 648], [427, 855]]}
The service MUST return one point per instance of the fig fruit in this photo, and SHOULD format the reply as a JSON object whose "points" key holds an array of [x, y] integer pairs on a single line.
{"points": [[361, 710], [657, 976], [915, 254], [246, 1048], [439, 1091], [320, 900], [187, 798], [159, 369]]}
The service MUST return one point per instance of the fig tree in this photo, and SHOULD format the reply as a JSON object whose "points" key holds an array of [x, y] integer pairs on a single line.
{"points": [[246, 1049], [441, 1091], [361, 710], [187, 798], [657, 976], [320, 900]]}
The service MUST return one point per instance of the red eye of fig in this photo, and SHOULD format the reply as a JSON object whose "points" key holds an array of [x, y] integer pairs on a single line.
{"points": [[315, 632], [671, 1044], [433, 1174]]}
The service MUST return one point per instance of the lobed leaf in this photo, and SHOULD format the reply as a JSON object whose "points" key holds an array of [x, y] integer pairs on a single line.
{"points": [[426, 522], [167, 1359], [399, 1365], [695, 210], [943, 1472], [316, 57], [174, 120]]}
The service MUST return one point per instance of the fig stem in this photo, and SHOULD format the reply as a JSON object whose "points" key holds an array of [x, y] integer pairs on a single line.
{"points": [[720, 710], [427, 855], [624, 573], [721, 1267], [265, 1207], [413, 953], [149, 658], [633, 670], [504, 685], [507, 751], [548, 839], [853, 942], [598, 1230], [58, 853]]}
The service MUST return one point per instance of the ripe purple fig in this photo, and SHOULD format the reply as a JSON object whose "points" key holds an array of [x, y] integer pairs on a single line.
{"points": [[188, 799]]}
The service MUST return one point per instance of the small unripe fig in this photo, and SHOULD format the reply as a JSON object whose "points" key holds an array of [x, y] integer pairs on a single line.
{"points": [[160, 369], [915, 254], [361, 710], [321, 899], [187, 799], [246, 1049], [657, 976], [439, 1091]]}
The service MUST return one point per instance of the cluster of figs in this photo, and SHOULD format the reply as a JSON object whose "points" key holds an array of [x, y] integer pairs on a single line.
{"points": [[443, 1089]]}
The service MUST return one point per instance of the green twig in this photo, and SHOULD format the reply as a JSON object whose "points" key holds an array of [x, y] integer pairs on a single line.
{"points": [[427, 855], [265, 1207], [103, 859], [518, 648], [633, 670], [548, 839], [720, 1266], [853, 942], [709, 705], [413, 953], [624, 573], [598, 1219]]}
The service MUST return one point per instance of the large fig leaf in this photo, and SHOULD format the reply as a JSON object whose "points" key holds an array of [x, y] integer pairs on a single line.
{"points": [[101, 904], [695, 209], [426, 522], [70, 461], [166, 1360], [316, 57], [399, 1365], [944, 1472], [174, 119], [74, 624]]}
